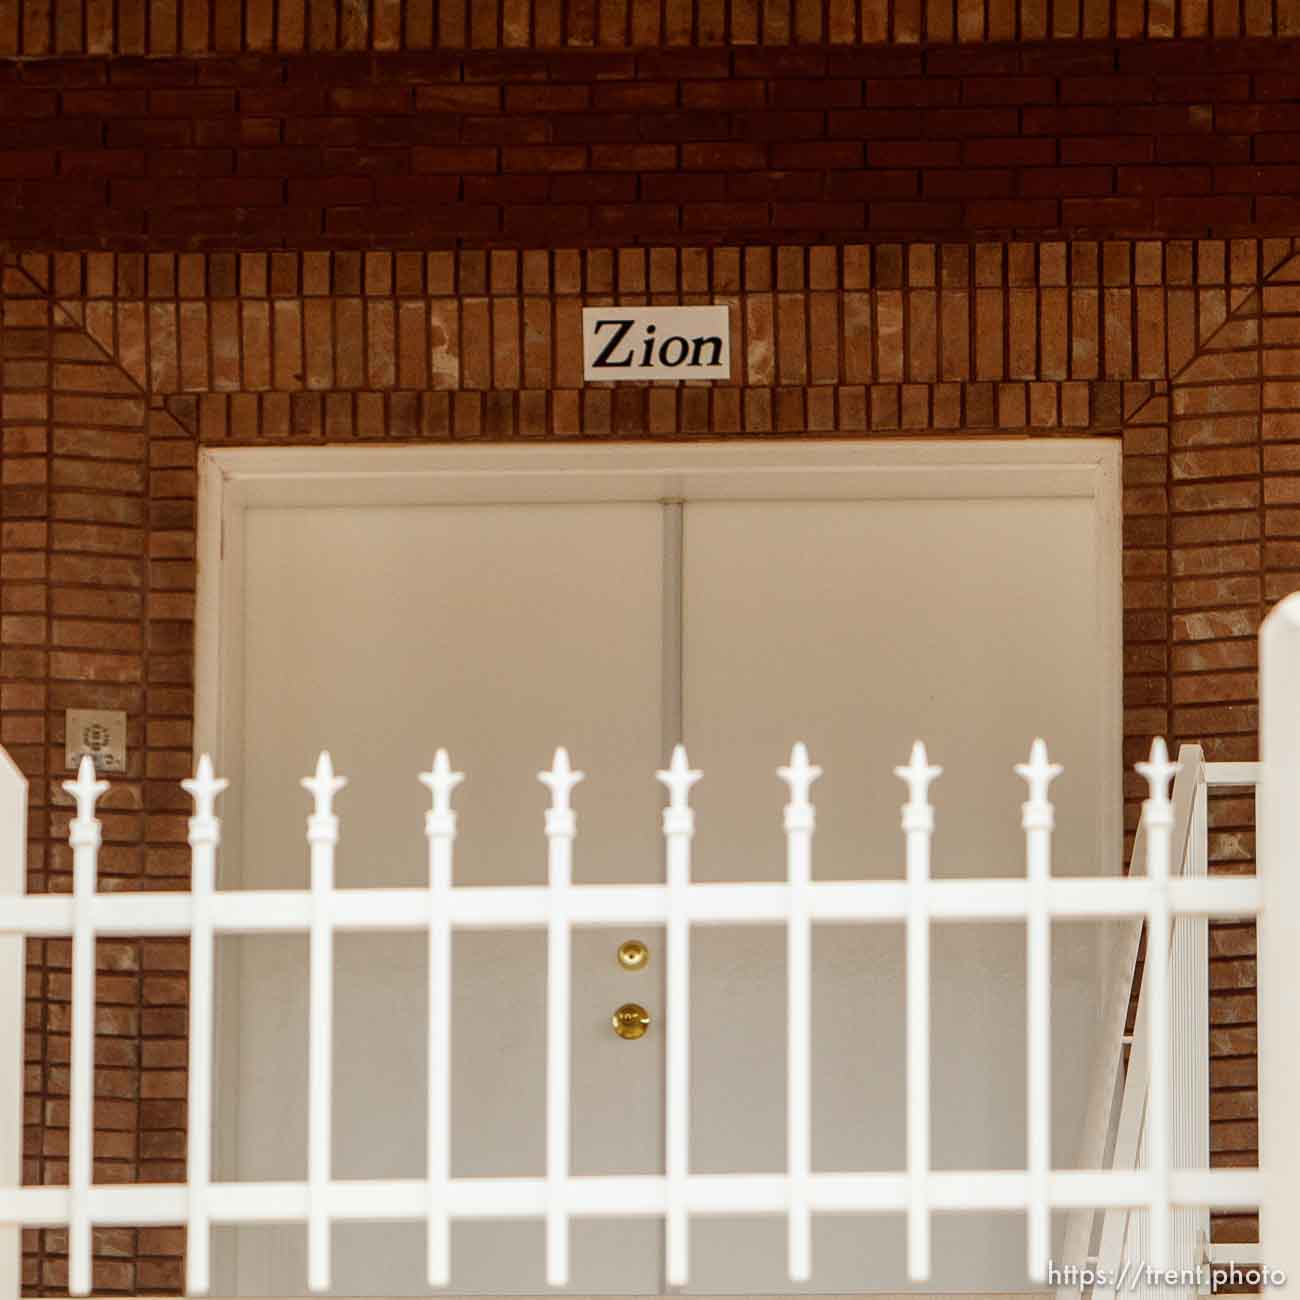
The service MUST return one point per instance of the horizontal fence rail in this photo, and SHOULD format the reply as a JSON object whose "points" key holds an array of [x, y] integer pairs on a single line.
{"points": [[917, 902]]}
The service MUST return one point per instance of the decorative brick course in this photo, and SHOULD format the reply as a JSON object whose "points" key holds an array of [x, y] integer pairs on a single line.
{"points": [[117, 366], [163, 27], [685, 146]]}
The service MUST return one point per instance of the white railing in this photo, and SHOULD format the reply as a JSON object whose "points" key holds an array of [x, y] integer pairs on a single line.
{"points": [[1162, 899], [1181, 963]]}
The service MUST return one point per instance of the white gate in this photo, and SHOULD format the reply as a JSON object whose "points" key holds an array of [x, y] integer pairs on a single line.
{"points": [[1158, 1184]]}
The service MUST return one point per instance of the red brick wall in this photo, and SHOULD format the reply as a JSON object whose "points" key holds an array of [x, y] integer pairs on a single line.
{"points": [[332, 220], [117, 366], [45, 27], [692, 145]]}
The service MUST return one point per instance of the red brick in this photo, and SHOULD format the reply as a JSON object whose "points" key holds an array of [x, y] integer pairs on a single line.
{"points": [[454, 160], [822, 93], [547, 98], [191, 103], [808, 186], [106, 103], [918, 153], [556, 219], [819, 216], [1106, 214], [1204, 88], [1012, 213], [864, 61], [942, 123], [1008, 90], [544, 159], [1203, 213], [126, 71], [1277, 148], [1111, 149], [879, 124], [587, 187], [1153, 56], [1164, 180], [563, 65], [960, 184], [827, 155], [1203, 148], [775, 61], [1066, 181], [635, 95], [330, 191], [789, 125], [27, 103], [1114, 89], [638, 158], [903, 216], [192, 162], [500, 129], [500, 189], [282, 161], [874, 184], [370, 99], [457, 99], [971, 61], [148, 133], [1284, 85], [1009, 153], [672, 65], [1277, 213], [1257, 180], [723, 216], [572, 128], [733, 155], [105, 162], [913, 94], [282, 100], [344, 191], [241, 191]]}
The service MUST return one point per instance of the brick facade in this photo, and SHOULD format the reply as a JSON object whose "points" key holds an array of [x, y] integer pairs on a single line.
{"points": [[317, 221], [118, 366], [708, 145], [41, 28]]}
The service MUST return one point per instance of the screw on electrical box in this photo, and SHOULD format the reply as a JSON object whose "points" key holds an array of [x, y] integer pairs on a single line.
{"points": [[101, 733]]}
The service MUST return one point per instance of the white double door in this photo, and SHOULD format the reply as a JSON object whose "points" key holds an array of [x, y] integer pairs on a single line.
{"points": [[502, 630]]}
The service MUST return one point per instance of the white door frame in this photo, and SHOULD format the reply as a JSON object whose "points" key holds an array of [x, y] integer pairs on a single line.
{"points": [[235, 480]]}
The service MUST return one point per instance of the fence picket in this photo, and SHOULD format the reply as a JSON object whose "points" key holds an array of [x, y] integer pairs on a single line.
{"points": [[918, 826], [322, 836], [204, 836], [678, 828], [1037, 820], [85, 836], [800, 820], [1158, 771], [561, 827], [440, 831]]}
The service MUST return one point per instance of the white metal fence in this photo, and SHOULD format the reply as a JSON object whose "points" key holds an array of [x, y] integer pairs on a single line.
{"points": [[1122, 1236], [1167, 1173]]}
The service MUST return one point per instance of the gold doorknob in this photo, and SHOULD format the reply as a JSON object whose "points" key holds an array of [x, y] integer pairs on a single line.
{"points": [[633, 954], [631, 1020]]}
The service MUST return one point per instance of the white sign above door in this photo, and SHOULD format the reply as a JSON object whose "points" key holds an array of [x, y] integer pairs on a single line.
{"points": [[656, 343]]}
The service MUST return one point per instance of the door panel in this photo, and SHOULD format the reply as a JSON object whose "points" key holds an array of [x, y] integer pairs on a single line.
{"points": [[498, 632], [858, 627]]}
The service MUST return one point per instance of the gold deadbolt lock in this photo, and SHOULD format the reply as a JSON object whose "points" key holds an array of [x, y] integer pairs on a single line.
{"points": [[633, 955], [631, 1020]]}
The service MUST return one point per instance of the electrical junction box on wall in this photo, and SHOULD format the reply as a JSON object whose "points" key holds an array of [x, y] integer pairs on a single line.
{"points": [[101, 733]]}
